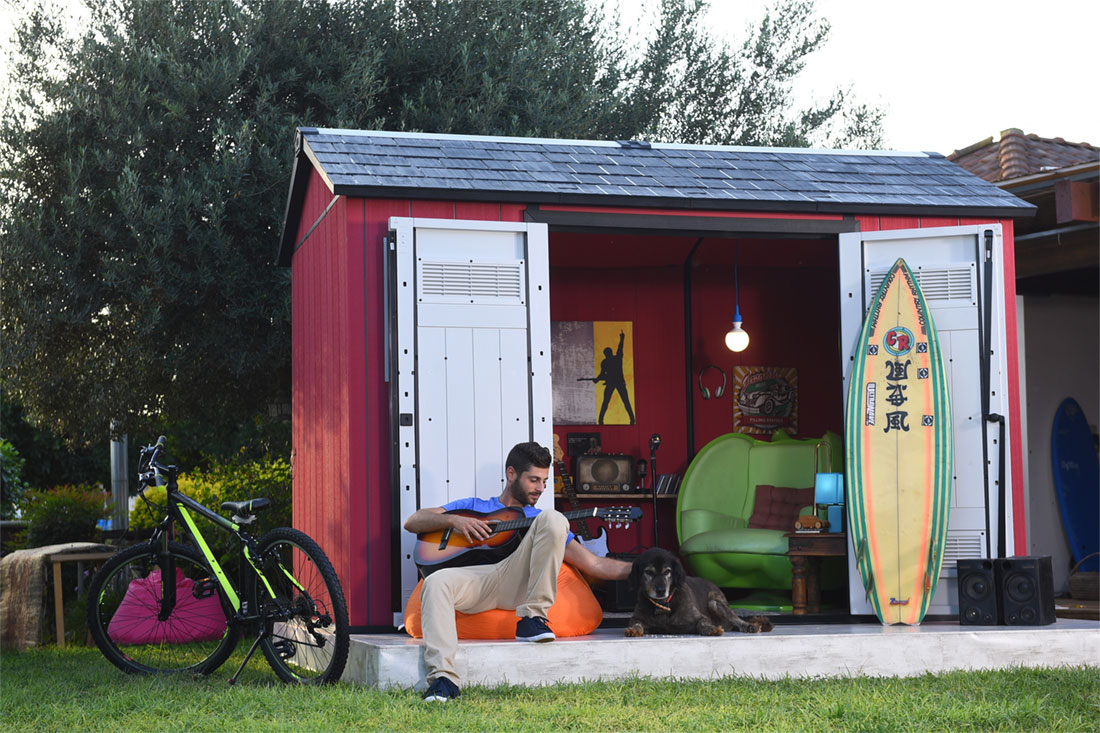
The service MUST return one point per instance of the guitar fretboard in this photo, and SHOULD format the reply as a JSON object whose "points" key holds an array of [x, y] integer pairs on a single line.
{"points": [[511, 524]]}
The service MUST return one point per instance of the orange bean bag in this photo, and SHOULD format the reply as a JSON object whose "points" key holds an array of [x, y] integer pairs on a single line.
{"points": [[575, 612]]}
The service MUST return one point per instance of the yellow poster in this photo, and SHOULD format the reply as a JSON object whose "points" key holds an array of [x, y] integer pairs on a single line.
{"points": [[593, 372], [613, 348]]}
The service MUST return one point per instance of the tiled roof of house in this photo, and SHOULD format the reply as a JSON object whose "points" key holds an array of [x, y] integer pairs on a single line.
{"points": [[1016, 155], [629, 173]]}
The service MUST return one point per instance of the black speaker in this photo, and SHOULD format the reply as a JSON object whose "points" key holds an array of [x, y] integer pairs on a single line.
{"points": [[977, 593], [1025, 588]]}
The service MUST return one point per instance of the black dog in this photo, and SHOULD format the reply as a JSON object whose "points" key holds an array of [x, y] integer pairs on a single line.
{"points": [[671, 602]]}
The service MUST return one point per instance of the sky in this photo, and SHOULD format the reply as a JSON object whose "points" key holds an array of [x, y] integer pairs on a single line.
{"points": [[948, 73]]}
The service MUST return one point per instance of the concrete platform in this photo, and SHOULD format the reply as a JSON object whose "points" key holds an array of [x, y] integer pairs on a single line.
{"points": [[791, 650]]}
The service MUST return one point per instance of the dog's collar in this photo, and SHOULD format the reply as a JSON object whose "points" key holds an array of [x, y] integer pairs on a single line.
{"points": [[662, 606]]}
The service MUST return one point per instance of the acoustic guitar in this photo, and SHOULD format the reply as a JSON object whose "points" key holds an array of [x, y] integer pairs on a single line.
{"points": [[448, 549]]}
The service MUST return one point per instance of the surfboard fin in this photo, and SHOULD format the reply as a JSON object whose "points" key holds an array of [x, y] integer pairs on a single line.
{"points": [[869, 582], [932, 558]]}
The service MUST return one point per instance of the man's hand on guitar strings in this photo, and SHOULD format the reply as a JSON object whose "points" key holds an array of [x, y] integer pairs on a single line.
{"points": [[472, 528]]}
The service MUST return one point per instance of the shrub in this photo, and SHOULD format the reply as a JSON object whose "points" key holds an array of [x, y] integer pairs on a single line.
{"points": [[11, 479], [236, 481], [64, 514]]}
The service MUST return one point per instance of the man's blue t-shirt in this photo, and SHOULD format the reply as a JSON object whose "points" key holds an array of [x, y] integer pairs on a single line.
{"points": [[488, 506]]}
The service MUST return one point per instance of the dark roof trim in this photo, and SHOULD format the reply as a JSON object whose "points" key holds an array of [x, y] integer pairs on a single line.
{"points": [[660, 202], [299, 178], [687, 224]]}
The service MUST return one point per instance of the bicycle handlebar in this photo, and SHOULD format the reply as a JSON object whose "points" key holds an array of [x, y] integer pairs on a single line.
{"points": [[152, 470]]}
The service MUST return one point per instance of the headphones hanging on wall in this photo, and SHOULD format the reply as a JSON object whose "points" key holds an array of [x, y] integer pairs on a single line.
{"points": [[706, 392]]}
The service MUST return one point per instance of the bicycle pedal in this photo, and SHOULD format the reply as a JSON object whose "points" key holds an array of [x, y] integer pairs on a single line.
{"points": [[284, 648], [204, 588]]}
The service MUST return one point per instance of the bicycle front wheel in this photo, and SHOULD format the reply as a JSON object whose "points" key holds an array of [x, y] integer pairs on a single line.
{"points": [[300, 599], [138, 634]]}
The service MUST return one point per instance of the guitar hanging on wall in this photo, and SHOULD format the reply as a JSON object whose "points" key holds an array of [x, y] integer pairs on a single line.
{"points": [[446, 548], [594, 543]]}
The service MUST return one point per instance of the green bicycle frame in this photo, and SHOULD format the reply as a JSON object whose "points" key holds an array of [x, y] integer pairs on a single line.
{"points": [[180, 508]]}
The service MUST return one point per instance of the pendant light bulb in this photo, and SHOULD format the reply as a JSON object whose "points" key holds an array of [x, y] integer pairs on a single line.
{"points": [[737, 339]]}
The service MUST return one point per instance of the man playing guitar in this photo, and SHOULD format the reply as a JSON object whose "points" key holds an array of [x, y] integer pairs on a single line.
{"points": [[526, 580]]}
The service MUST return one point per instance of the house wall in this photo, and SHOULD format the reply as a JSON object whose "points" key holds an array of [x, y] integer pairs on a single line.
{"points": [[1055, 329]]}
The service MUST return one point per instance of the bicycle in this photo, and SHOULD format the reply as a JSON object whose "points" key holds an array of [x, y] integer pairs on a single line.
{"points": [[166, 607]]}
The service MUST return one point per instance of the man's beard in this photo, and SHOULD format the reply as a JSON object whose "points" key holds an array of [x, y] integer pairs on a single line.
{"points": [[519, 494]]}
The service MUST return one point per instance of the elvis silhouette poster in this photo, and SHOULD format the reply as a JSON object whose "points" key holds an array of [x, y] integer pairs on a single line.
{"points": [[593, 372]]}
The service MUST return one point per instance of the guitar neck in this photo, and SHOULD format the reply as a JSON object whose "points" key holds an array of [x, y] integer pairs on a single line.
{"points": [[513, 524]]}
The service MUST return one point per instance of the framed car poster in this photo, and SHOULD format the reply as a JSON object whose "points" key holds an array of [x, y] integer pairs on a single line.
{"points": [[765, 399]]}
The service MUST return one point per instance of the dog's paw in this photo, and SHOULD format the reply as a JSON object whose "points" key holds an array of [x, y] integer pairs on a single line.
{"points": [[634, 630], [710, 630], [760, 624]]}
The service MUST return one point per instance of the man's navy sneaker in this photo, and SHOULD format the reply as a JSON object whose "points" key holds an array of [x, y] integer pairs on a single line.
{"points": [[442, 690], [534, 628]]}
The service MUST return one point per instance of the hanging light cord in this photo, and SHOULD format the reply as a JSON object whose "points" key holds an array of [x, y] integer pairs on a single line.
{"points": [[736, 282]]}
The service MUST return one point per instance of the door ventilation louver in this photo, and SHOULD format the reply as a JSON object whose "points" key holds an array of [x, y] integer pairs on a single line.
{"points": [[961, 545], [448, 281], [943, 283]]}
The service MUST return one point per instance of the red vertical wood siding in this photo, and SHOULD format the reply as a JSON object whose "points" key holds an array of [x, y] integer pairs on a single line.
{"points": [[320, 378], [790, 313]]}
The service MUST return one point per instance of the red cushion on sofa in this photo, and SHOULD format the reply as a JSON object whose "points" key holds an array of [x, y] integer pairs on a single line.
{"points": [[777, 507]]}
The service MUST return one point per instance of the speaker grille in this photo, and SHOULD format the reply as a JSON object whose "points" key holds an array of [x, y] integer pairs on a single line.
{"points": [[977, 592], [1026, 590]]}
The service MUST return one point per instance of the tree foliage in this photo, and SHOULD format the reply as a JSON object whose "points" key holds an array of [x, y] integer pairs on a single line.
{"points": [[146, 161]]}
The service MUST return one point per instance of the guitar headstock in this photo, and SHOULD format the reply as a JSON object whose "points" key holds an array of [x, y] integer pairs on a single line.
{"points": [[619, 517]]}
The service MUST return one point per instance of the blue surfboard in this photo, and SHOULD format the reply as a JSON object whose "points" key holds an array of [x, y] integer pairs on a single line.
{"points": [[1077, 482]]}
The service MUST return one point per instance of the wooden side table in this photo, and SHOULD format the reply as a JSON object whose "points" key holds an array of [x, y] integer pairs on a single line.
{"points": [[58, 601], [806, 550]]}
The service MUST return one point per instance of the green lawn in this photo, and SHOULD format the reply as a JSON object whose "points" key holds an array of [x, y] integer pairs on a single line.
{"points": [[75, 689]]}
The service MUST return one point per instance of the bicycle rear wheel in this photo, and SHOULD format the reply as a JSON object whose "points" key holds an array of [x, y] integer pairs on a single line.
{"points": [[305, 611], [125, 615]]}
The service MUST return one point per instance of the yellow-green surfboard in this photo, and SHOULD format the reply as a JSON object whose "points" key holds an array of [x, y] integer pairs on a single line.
{"points": [[899, 458]]}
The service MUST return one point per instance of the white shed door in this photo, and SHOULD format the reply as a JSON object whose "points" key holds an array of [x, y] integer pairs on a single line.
{"points": [[472, 359], [950, 264]]}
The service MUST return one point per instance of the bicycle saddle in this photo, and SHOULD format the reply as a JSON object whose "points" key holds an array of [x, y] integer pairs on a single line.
{"points": [[245, 508]]}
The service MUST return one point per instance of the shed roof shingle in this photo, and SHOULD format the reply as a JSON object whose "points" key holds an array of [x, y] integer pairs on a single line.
{"points": [[413, 165]]}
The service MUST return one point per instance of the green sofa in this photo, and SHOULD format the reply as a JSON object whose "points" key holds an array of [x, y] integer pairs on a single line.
{"points": [[717, 500]]}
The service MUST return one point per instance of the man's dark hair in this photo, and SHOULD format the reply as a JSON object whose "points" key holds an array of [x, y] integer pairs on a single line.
{"points": [[524, 455]]}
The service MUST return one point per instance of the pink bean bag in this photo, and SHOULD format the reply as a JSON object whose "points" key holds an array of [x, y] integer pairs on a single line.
{"points": [[193, 619]]}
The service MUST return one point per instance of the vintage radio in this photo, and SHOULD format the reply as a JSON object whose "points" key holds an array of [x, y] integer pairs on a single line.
{"points": [[605, 474]]}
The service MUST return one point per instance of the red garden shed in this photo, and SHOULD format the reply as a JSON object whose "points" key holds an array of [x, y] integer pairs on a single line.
{"points": [[432, 274]]}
